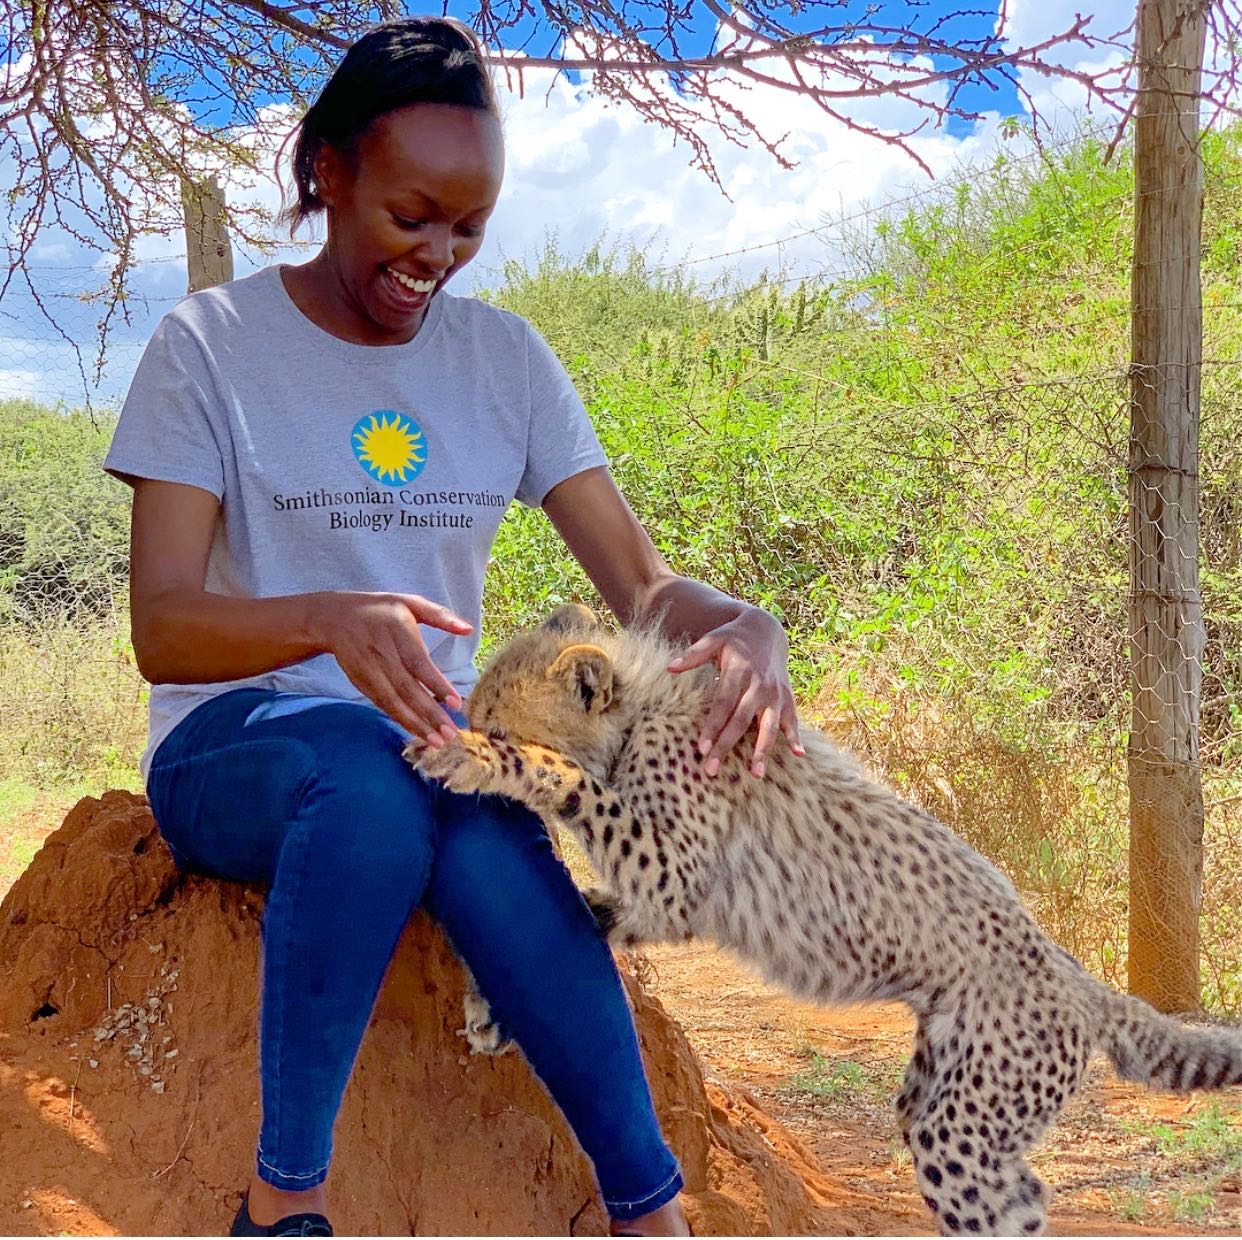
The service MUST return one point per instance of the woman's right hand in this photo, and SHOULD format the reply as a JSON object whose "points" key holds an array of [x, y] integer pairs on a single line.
{"points": [[375, 639]]}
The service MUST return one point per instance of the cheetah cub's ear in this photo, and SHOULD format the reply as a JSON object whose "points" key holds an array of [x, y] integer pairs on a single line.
{"points": [[586, 672], [570, 616]]}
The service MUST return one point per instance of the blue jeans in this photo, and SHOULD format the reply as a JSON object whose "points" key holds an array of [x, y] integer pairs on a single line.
{"points": [[311, 796]]}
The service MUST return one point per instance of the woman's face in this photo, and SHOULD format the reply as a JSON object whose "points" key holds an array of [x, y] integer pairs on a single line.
{"points": [[406, 213]]}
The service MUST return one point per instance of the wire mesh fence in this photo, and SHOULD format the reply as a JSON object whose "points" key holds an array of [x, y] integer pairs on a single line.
{"points": [[920, 460]]}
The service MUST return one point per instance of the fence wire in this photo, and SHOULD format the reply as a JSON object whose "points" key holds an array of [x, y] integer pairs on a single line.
{"points": [[921, 461]]}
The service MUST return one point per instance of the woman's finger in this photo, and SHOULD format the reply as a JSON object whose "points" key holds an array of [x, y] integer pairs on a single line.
{"points": [[734, 729], [789, 726], [703, 651], [417, 696], [402, 707], [436, 615], [729, 689], [412, 655], [769, 721]]}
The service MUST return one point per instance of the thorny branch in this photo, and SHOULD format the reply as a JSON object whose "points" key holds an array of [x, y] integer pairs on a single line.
{"points": [[107, 105]]}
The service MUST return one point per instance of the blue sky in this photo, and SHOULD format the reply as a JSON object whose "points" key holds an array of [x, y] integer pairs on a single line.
{"points": [[580, 168]]}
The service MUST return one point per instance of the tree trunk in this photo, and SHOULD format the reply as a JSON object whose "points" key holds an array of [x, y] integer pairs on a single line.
{"points": [[1166, 618], [209, 256]]}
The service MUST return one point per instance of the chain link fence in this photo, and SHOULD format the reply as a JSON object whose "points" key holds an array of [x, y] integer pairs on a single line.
{"points": [[920, 460]]}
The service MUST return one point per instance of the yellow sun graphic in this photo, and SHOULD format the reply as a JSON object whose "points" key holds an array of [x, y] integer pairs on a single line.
{"points": [[389, 446]]}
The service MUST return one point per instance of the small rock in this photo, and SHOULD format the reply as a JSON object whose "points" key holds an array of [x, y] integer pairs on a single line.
{"points": [[94, 1063], [158, 1086], [27, 1204], [171, 1054]]}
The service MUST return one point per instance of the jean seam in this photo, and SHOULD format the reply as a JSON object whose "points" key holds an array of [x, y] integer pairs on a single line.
{"points": [[612, 1202], [290, 1175], [304, 863]]}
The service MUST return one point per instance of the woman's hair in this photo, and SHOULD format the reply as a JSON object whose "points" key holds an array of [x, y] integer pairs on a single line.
{"points": [[410, 60]]}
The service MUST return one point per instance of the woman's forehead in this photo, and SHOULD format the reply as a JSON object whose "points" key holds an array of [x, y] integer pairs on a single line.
{"points": [[437, 150]]}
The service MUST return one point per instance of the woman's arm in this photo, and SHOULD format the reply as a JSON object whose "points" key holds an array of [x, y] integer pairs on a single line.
{"points": [[184, 634], [747, 643]]}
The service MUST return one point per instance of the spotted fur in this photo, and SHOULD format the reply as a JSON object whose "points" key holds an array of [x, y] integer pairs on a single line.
{"points": [[832, 886]]}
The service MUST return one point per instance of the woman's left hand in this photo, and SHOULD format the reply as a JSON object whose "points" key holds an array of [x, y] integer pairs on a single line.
{"points": [[751, 653]]}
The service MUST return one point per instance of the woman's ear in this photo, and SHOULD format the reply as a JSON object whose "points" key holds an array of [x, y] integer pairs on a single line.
{"points": [[328, 170]]}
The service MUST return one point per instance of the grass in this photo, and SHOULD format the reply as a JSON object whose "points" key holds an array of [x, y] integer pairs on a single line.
{"points": [[846, 1079], [1189, 1207], [1212, 1135], [16, 795], [1129, 1203], [27, 815]]}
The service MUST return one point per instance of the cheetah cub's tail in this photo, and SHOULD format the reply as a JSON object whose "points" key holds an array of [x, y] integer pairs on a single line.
{"points": [[1146, 1045]]}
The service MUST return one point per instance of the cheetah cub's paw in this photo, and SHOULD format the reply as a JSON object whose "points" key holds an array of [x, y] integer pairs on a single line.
{"points": [[467, 763], [610, 917], [482, 1033]]}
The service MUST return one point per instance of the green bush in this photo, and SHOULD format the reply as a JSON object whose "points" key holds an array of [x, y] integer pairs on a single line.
{"points": [[919, 464]]}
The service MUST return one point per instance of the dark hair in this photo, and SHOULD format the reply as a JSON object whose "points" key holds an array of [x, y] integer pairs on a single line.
{"points": [[410, 60]]}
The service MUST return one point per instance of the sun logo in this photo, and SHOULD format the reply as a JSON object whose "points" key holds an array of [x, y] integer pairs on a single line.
{"points": [[389, 446]]}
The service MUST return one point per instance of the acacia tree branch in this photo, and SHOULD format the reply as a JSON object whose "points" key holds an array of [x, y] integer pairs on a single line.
{"points": [[107, 105]]}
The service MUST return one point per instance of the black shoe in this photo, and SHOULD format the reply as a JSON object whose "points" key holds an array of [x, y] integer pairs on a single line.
{"points": [[291, 1225]]}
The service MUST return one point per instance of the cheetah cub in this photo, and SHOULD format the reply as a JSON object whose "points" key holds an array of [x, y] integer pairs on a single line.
{"points": [[832, 886]]}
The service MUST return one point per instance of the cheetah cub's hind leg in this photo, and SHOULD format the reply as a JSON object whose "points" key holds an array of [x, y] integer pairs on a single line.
{"points": [[623, 928], [976, 1097]]}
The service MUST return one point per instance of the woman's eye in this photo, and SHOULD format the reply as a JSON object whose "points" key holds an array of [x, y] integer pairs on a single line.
{"points": [[404, 223]]}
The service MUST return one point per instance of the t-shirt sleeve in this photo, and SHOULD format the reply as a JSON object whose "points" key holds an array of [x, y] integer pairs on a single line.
{"points": [[561, 441], [166, 430]]}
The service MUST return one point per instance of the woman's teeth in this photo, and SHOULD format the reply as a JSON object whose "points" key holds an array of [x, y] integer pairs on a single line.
{"points": [[415, 286]]}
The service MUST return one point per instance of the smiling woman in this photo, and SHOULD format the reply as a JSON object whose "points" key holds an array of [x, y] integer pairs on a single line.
{"points": [[321, 458], [409, 200]]}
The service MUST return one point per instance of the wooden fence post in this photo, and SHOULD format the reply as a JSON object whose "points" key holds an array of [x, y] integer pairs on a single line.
{"points": [[209, 255], [1166, 615]]}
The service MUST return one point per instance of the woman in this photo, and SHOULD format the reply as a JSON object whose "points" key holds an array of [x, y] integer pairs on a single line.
{"points": [[320, 456]]}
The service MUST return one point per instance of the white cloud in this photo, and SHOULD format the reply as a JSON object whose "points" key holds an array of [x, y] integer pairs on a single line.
{"points": [[16, 384], [581, 167]]}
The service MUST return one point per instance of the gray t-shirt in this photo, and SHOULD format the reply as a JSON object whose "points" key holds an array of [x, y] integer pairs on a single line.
{"points": [[348, 467]]}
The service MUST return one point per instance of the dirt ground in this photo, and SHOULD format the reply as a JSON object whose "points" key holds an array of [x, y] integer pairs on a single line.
{"points": [[1121, 1161]]}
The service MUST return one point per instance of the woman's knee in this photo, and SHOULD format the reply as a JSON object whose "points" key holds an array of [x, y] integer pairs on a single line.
{"points": [[487, 833], [362, 801], [495, 855]]}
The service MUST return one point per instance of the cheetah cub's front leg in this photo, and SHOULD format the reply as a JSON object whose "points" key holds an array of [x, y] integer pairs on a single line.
{"points": [[539, 779], [565, 795], [472, 762]]}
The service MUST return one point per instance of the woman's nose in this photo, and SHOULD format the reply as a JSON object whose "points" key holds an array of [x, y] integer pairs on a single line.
{"points": [[435, 247]]}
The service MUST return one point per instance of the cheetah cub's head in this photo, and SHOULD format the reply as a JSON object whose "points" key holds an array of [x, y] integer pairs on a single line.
{"points": [[554, 685]]}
